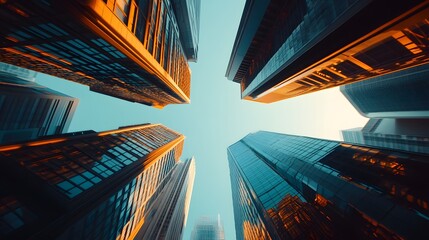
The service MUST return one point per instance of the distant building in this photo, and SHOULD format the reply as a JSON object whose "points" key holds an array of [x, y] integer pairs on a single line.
{"points": [[130, 50], [285, 49], [29, 110], [93, 185], [293, 187], [398, 105], [402, 134], [167, 217], [207, 229]]}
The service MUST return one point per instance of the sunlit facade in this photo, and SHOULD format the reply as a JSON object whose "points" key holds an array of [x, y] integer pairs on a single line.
{"points": [[86, 185], [208, 229], [167, 216], [285, 49], [127, 49], [293, 187], [29, 110], [398, 107]]}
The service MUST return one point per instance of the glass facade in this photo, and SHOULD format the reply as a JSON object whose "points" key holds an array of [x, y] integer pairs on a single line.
{"points": [[207, 229], [126, 49], [29, 110], [188, 18], [306, 188], [404, 134], [397, 95], [398, 107], [167, 216], [305, 50], [107, 180]]}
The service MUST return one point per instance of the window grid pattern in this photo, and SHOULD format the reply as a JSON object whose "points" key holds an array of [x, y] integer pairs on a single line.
{"points": [[347, 177], [94, 61], [32, 110], [74, 166], [13, 214], [406, 46], [248, 221], [118, 216]]}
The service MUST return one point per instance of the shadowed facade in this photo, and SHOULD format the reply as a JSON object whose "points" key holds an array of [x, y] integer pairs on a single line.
{"points": [[285, 49], [293, 187], [398, 107], [29, 110], [90, 185]]}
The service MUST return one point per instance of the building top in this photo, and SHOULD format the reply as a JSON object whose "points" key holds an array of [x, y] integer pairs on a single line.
{"points": [[252, 17], [18, 72], [208, 229], [65, 180], [300, 47], [188, 18], [29, 110], [402, 94], [126, 49]]}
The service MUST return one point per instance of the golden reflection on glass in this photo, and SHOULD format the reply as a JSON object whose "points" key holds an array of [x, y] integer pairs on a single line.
{"points": [[296, 219], [254, 232]]}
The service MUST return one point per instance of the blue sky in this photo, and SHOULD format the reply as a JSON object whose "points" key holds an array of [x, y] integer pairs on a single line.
{"points": [[216, 117]]}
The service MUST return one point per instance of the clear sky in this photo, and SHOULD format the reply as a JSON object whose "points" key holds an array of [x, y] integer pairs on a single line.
{"points": [[216, 117]]}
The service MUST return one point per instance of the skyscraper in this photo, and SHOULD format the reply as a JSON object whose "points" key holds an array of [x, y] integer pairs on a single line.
{"points": [[285, 49], [208, 229], [398, 105], [189, 18], [90, 185], [131, 50], [29, 110], [402, 134], [293, 187], [168, 214]]}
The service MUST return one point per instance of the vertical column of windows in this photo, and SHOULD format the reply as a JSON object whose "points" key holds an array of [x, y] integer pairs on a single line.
{"points": [[160, 32], [151, 26], [121, 10], [142, 22], [167, 44], [132, 16]]}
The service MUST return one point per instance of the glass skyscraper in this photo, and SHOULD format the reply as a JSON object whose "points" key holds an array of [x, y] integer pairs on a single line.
{"points": [[129, 49], [398, 105], [293, 187], [285, 49], [167, 216], [90, 185], [208, 229], [188, 14], [29, 110], [402, 94]]}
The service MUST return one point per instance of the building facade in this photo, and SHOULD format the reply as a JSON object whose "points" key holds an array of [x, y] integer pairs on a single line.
{"points": [[87, 185], [29, 110], [402, 134], [128, 49], [208, 229], [293, 187], [402, 94], [398, 107], [167, 216], [285, 49], [189, 15]]}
